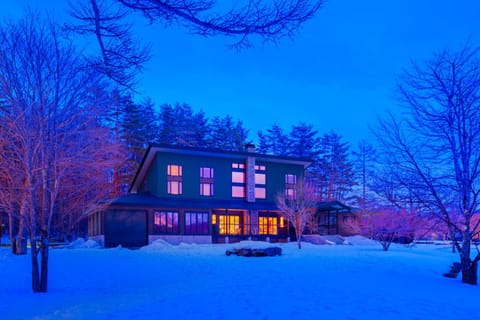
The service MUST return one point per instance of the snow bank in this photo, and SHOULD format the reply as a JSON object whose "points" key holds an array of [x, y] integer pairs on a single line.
{"points": [[157, 245], [360, 241], [80, 243]]}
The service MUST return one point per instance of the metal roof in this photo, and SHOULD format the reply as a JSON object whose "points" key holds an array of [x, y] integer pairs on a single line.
{"points": [[334, 206], [151, 201]]}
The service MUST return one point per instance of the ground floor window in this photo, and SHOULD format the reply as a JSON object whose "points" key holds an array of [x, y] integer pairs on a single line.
{"points": [[165, 222], [196, 223], [331, 220], [229, 225], [268, 225]]}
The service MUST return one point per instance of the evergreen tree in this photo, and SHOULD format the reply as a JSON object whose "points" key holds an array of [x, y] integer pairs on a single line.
{"points": [[227, 134], [262, 146], [275, 141], [303, 141], [180, 125], [334, 170]]}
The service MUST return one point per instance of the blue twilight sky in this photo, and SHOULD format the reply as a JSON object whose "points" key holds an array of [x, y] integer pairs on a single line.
{"points": [[338, 73]]}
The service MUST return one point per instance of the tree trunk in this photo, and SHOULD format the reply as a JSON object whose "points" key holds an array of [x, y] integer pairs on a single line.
{"points": [[10, 228], [35, 267], [21, 241], [470, 273], [44, 262], [299, 240]]}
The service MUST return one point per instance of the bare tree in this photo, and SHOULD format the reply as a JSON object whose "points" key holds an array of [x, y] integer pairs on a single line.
{"points": [[435, 145], [51, 137], [389, 225], [121, 57], [298, 208]]}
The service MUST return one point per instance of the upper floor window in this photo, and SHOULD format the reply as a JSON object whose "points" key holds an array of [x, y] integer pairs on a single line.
{"points": [[260, 178], [238, 180], [290, 186], [238, 191], [206, 173], [174, 179], [174, 170], [238, 165], [260, 182], [238, 177], [260, 193], [290, 179], [206, 189], [206, 182]]}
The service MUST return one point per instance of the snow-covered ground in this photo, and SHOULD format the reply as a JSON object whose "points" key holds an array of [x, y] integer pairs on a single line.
{"points": [[162, 281]]}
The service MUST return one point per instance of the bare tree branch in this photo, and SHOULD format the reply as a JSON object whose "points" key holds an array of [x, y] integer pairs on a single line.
{"points": [[122, 58]]}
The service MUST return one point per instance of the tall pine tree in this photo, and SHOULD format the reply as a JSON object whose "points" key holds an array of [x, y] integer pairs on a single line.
{"points": [[274, 141], [227, 134]]}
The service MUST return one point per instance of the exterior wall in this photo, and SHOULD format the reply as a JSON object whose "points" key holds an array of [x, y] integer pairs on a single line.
{"points": [[151, 182], [191, 175], [177, 239], [156, 179], [341, 227], [276, 178]]}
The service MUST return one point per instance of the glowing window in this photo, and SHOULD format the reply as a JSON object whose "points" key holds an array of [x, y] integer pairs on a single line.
{"points": [[260, 178], [206, 173], [238, 191], [174, 170], [260, 193], [238, 165], [174, 179], [206, 189], [229, 225], [238, 177], [174, 187], [262, 225], [268, 225], [165, 222], [290, 193]]}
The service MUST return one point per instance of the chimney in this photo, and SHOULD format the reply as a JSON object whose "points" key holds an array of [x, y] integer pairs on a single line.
{"points": [[250, 171], [250, 147]]}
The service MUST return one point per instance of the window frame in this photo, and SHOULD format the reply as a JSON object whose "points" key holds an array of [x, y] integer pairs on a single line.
{"points": [[161, 222], [174, 179], [194, 228]]}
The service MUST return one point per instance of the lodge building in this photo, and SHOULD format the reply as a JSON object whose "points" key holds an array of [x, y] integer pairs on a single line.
{"points": [[194, 195]]}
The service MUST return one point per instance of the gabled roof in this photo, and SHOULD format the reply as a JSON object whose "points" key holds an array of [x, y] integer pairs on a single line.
{"points": [[154, 148]]}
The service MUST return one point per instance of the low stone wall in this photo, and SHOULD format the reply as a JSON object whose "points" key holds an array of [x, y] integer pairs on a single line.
{"points": [[177, 239]]}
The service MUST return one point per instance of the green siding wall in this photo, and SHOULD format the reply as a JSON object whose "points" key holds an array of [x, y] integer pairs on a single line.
{"points": [[276, 177], [156, 180]]}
